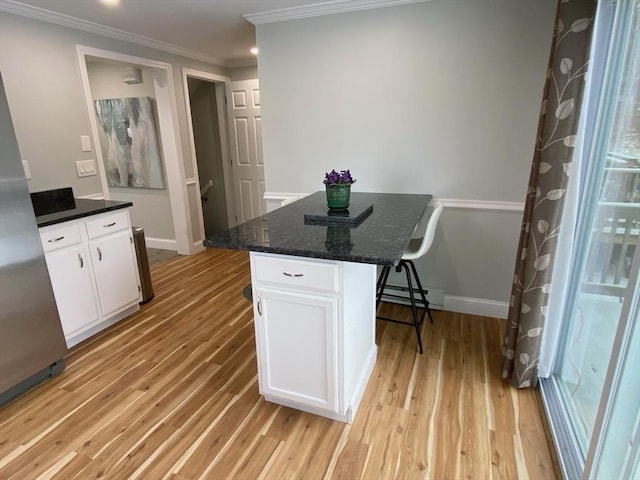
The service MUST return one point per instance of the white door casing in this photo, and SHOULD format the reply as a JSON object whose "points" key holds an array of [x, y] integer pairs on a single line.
{"points": [[169, 138], [220, 82], [245, 133]]}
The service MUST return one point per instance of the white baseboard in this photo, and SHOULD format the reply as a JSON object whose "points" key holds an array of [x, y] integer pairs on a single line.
{"points": [[93, 196], [198, 247], [161, 243], [476, 306]]}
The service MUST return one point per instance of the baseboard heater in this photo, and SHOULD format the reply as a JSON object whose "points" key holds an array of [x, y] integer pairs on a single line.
{"points": [[400, 296], [56, 368]]}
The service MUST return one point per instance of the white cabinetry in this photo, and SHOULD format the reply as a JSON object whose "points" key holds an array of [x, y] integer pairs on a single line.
{"points": [[93, 272], [314, 322], [114, 262], [297, 337]]}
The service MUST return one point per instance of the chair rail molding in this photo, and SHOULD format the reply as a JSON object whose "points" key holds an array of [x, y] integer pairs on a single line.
{"points": [[483, 204], [93, 196], [276, 199]]}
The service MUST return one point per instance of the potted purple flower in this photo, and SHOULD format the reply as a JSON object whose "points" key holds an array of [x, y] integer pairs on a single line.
{"points": [[338, 188]]}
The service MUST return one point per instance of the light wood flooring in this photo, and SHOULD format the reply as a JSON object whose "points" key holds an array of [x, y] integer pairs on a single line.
{"points": [[158, 257], [171, 392]]}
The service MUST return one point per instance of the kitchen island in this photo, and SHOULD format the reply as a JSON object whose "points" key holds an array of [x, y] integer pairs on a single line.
{"points": [[313, 283]]}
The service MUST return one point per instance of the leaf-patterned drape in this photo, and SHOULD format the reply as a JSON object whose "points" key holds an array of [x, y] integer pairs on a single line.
{"points": [[545, 195]]}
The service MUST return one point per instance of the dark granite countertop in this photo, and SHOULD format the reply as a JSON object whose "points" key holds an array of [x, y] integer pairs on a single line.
{"points": [[84, 207], [380, 238]]}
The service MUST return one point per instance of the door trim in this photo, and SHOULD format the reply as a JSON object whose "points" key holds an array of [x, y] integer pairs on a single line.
{"points": [[169, 137], [219, 82]]}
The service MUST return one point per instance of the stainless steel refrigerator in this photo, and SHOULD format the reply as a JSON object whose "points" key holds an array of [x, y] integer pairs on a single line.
{"points": [[31, 340]]}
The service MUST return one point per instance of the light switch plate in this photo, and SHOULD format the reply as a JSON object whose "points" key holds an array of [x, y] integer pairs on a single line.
{"points": [[86, 168], [27, 170], [85, 142]]}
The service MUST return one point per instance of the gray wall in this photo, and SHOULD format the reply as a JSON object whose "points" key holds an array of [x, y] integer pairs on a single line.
{"points": [[440, 97], [243, 73], [151, 207], [39, 65]]}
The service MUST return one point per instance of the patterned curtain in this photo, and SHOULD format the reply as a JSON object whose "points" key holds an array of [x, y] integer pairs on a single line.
{"points": [[548, 181]]}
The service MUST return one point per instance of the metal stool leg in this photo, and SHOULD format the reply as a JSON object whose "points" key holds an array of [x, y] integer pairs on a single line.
{"points": [[409, 269], [416, 322], [424, 298], [381, 284]]}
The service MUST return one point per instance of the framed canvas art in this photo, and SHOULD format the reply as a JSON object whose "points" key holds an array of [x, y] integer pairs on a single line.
{"points": [[129, 142]]}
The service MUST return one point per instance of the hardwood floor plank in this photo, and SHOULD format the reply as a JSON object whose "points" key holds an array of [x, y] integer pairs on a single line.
{"points": [[210, 444], [193, 428], [503, 457], [258, 458], [317, 464], [351, 461], [246, 438], [171, 392], [72, 468], [447, 442], [297, 450]]}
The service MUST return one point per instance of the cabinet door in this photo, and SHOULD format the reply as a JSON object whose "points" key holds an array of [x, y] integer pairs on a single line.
{"points": [[297, 337], [114, 267], [70, 275]]}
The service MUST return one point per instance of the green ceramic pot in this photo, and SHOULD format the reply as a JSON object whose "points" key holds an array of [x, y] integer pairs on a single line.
{"points": [[338, 196]]}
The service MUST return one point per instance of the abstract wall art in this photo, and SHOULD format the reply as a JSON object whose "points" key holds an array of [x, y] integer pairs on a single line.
{"points": [[129, 142]]}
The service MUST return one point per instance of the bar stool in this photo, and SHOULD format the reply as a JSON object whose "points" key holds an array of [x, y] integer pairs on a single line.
{"points": [[416, 248]]}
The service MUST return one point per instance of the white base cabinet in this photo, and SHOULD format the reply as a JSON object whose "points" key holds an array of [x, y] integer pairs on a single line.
{"points": [[93, 271], [315, 332]]}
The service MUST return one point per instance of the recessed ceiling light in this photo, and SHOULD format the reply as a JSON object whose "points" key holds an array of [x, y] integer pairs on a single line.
{"points": [[254, 50], [110, 3]]}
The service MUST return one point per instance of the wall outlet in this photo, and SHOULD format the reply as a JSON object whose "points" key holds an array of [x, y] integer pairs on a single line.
{"points": [[86, 168]]}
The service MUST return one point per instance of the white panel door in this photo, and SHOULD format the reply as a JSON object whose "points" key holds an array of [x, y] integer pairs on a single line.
{"points": [[71, 281], [114, 262], [245, 132], [297, 340]]}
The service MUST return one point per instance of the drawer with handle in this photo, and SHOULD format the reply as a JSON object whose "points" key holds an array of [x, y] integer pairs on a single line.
{"points": [[60, 237], [104, 225], [294, 272]]}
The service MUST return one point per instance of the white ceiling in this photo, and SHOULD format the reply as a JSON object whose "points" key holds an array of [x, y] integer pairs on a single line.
{"points": [[211, 30]]}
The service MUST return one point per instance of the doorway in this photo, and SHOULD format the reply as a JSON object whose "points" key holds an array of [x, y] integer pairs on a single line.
{"points": [[226, 146], [161, 78], [592, 396], [208, 152], [207, 126]]}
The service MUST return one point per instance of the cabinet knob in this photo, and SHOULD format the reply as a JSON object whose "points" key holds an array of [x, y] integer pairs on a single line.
{"points": [[51, 240], [259, 306], [81, 261], [99, 254], [109, 225]]}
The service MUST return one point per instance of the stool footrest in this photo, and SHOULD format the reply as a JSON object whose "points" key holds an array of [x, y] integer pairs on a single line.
{"points": [[381, 285]]}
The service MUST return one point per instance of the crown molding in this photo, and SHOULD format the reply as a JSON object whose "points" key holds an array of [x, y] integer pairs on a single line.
{"points": [[36, 13], [320, 9]]}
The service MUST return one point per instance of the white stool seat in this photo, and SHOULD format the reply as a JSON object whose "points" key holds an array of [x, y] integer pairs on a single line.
{"points": [[416, 248]]}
